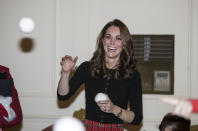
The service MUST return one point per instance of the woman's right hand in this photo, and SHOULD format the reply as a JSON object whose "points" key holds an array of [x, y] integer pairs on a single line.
{"points": [[68, 63]]}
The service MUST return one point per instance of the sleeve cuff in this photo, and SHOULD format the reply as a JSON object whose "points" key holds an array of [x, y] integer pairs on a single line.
{"points": [[194, 103]]}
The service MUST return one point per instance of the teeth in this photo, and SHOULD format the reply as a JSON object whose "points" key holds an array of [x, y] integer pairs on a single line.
{"points": [[111, 48]]}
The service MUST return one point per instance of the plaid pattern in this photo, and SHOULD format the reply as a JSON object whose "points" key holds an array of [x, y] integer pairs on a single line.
{"points": [[96, 126]]}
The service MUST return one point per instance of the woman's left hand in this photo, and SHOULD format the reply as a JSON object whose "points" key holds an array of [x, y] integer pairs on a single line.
{"points": [[106, 105]]}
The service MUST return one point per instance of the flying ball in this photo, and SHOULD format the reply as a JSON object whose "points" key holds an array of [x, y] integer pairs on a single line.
{"points": [[100, 97], [68, 123], [26, 25]]}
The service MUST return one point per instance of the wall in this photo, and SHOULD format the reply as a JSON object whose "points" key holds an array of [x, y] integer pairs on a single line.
{"points": [[71, 27], [33, 70]]}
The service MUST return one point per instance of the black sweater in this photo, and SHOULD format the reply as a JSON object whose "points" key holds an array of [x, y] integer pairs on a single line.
{"points": [[120, 91]]}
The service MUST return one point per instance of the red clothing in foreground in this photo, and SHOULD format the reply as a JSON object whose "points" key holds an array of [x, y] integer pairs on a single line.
{"points": [[194, 103], [15, 104], [96, 126]]}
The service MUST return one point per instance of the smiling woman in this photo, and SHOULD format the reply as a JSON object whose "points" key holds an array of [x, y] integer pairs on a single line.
{"points": [[111, 71], [112, 45]]}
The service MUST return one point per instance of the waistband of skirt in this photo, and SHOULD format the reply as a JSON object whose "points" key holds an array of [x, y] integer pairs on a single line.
{"points": [[98, 124]]}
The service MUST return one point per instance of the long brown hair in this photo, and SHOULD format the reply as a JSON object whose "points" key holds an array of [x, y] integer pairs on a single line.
{"points": [[126, 65]]}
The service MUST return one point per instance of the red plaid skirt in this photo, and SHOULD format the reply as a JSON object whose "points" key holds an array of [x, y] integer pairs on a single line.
{"points": [[96, 126]]}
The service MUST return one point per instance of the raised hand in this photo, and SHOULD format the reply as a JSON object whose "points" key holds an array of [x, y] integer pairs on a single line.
{"points": [[68, 63], [183, 107]]}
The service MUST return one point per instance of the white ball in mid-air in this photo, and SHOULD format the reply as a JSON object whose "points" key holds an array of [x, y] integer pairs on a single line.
{"points": [[26, 25], [100, 97], [68, 123]]}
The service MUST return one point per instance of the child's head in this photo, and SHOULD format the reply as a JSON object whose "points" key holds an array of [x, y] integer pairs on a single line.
{"points": [[172, 122]]}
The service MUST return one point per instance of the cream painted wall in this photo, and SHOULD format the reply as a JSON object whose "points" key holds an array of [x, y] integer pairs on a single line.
{"points": [[194, 54], [194, 47], [71, 27]]}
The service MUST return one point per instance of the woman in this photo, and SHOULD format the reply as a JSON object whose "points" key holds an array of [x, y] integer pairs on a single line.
{"points": [[111, 70]]}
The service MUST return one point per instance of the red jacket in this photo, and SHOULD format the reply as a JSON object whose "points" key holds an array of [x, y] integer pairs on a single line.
{"points": [[194, 103], [15, 104]]}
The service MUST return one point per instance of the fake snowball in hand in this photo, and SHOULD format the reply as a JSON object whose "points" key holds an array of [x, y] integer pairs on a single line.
{"points": [[26, 25], [100, 97], [68, 123]]}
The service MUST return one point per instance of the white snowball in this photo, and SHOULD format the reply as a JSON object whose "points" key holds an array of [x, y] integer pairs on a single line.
{"points": [[26, 25], [100, 97], [68, 123]]}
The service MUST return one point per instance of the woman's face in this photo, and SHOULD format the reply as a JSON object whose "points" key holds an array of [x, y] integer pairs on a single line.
{"points": [[112, 43]]}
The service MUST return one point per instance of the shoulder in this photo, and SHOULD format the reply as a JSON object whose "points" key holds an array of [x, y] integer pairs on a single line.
{"points": [[4, 69], [85, 63], [135, 74], [135, 77], [85, 66]]}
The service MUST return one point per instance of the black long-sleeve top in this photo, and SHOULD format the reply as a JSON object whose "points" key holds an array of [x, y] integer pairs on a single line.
{"points": [[120, 91]]}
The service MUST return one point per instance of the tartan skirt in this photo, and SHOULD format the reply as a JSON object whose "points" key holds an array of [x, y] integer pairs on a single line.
{"points": [[96, 126]]}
